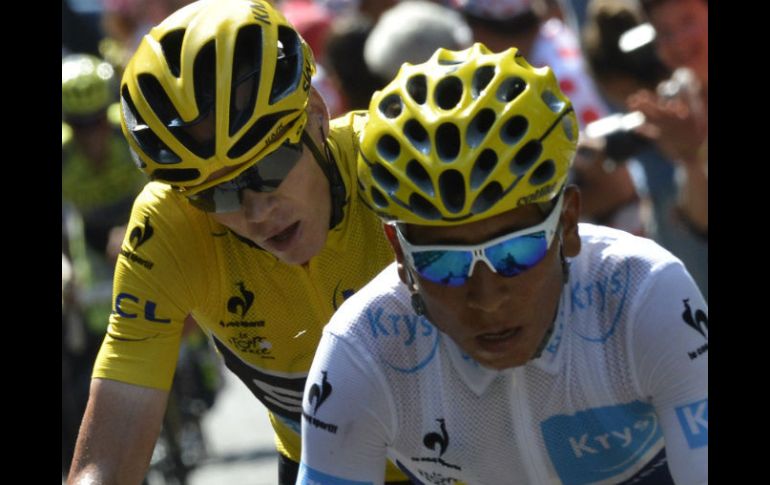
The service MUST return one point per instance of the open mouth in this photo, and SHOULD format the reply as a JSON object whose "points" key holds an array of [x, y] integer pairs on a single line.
{"points": [[499, 336], [284, 235]]}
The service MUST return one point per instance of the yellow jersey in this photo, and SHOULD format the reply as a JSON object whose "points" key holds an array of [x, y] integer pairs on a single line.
{"points": [[264, 316]]}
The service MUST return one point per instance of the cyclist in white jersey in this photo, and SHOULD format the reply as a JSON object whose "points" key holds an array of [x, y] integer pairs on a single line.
{"points": [[508, 344]]}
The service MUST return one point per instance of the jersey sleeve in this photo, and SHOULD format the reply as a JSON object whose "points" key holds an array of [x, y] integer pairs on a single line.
{"points": [[670, 356], [151, 294], [346, 418]]}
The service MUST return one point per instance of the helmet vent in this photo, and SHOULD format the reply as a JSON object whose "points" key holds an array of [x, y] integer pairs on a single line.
{"points": [[384, 178], [417, 135], [417, 87], [510, 89], [452, 187], [147, 141], [448, 92], [526, 157], [481, 79], [204, 80], [420, 177], [488, 197], [388, 148], [448, 141], [485, 164], [543, 173], [391, 106], [171, 43], [379, 198], [514, 129], [157, 98], [568, 127], [247, 62], [478, 128], [288, 65], [554, 104], [423, 208]]}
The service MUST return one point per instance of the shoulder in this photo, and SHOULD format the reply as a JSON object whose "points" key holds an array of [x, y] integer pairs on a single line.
{"points": [[161, 210], [344, 132], [601, 245]]}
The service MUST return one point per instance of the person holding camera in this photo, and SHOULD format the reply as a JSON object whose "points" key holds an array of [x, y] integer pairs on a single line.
{"points": [[677, 113]]}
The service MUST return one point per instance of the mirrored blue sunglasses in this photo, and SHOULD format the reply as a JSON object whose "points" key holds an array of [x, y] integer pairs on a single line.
{"points": [[508, 255]]}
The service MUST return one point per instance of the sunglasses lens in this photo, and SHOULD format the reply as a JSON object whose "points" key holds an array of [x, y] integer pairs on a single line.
{"points": [[217, 200], [269, 172], [519, 254], [449, 268], [264, 176]]}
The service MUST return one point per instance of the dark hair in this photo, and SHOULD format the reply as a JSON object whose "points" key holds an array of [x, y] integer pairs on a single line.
{"points": [[345, 58], [607, 22], [513, 26]]}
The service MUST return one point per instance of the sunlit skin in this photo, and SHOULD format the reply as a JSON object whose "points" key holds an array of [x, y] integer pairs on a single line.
{"points": [[682, 35], [292, 222], [498, 321]]}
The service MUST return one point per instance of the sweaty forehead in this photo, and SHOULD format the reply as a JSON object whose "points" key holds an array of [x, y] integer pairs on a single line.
{"points": [[478, 231]]}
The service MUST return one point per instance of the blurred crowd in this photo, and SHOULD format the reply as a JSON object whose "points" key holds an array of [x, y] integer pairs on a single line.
{"points": [[635, 70]]}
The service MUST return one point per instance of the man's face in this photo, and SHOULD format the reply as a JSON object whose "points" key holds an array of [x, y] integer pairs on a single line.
{"points": [[682, 35], [499, 321], [291, 222]]}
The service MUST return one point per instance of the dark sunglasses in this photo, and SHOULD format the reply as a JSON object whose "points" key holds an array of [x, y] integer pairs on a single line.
{"points": [[508, 255], [265, 175]]}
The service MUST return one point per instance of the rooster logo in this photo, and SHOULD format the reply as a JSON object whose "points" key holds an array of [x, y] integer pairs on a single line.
{"points": [[139, 236], [698, 321], [345, 295], [319, 394], [237, 303], [431, 440]]}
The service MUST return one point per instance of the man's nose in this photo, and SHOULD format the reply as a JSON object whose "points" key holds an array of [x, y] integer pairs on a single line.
{"points": [[487, 290], [257, 206]]}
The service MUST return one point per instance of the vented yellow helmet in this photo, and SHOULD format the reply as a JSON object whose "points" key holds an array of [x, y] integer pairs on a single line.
{"points": [[217, 84], [465, 136], [87, 87]]}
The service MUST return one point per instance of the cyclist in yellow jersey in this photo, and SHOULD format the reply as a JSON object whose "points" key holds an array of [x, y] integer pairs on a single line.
{"points": [[252, 227]]}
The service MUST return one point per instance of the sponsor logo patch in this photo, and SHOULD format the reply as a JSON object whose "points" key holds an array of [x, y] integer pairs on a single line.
{"points": [[600, 443], [694, 419]]}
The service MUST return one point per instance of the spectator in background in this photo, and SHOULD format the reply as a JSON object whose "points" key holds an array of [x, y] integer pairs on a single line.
{"points": [[345, 61], [411, 32], [619, 73], [313, 22], [677, 120], [614, 193], [677, 115]]}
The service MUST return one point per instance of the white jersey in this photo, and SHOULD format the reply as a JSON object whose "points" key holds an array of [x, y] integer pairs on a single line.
{"points": [[619, 394]]}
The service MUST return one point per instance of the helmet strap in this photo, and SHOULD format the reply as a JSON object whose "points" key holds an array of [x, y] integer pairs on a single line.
{"points": [[418, 304], [565, 274], [329, 167]]}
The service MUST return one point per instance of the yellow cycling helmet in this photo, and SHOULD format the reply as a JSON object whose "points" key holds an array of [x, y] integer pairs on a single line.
{"points": [[86, 86], [465, 136], [217, 84]]}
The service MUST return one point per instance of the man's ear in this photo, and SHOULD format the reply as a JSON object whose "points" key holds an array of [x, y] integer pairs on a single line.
{"points": [[318, 110], [403, 273], [569, 221]]}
